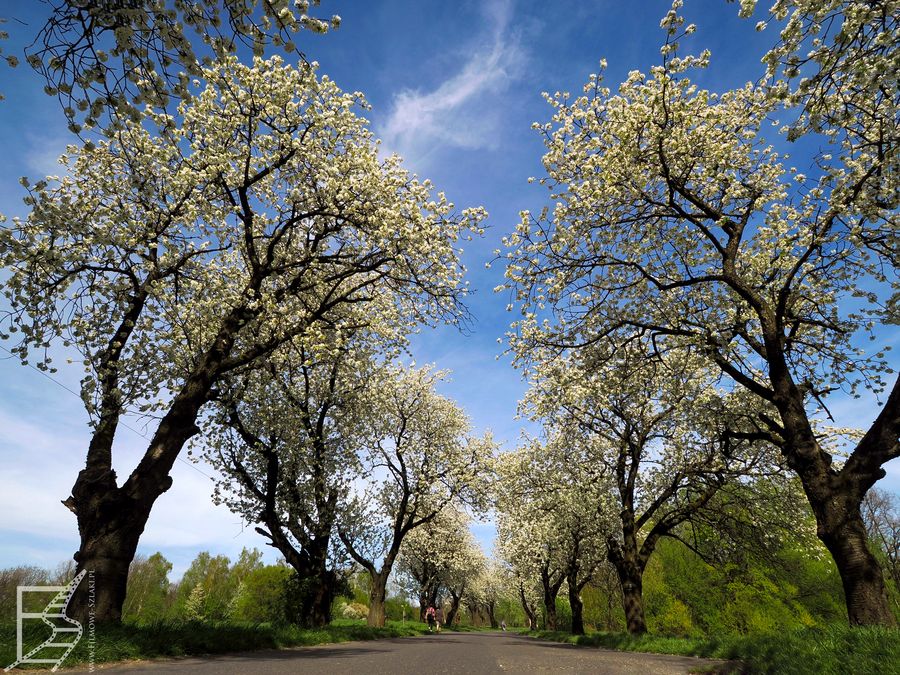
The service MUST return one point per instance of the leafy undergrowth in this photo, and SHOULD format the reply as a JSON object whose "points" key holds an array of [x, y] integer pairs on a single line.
{"points": [[130, 641], [833, 650]]}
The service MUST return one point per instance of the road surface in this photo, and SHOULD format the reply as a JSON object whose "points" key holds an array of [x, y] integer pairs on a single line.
{"points": [[464, 653]]}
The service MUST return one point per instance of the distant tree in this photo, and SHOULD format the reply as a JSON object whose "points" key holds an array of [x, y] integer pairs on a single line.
{"points": [[602, 601], [283, 439], [63, 573], [220, 581], [419, 457], [487, 590], [881, 512], [10, 578], [204, 588], [526, 541], [148, 589], [440, 558], [195, 606], [554, 516], [663, 437]]}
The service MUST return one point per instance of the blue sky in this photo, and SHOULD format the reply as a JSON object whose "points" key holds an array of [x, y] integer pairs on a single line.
{"points": [[454, 88]]}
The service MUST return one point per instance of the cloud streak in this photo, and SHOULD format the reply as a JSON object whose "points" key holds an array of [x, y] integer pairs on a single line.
{"points": [[464, 110]]}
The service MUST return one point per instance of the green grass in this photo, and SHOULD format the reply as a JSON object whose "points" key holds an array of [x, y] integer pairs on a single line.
{"points": [[833, 650], [130, 641]]}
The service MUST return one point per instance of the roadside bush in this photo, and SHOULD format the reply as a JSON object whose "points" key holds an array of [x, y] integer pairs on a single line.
{"points": [[261, 595], [354, 610]]}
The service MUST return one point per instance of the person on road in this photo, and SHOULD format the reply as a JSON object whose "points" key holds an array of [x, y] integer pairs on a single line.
{"points": [[503, 625], [439, 618], [430, 618]]}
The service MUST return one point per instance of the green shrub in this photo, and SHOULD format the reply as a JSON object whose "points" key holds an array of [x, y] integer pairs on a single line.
{"points": [[261, 595]]}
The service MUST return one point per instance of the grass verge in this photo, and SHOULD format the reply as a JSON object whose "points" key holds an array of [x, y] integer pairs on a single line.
{"points": [[130, 641], [832, 650]]}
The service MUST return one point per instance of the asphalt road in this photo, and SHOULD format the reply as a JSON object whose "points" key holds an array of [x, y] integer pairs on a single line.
{"points": [[464, 653]]}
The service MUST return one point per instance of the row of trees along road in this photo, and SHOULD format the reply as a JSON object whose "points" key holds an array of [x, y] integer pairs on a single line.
{"points": [[192, 246], [442, 560], [637, 446], [678, 226], [243, 220]]}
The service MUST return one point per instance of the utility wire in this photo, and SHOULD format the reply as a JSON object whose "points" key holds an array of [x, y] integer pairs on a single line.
{"points": [[121, 423]]}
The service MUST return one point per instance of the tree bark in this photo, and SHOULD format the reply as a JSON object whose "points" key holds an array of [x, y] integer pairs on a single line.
{"points": [[318, 588], [550, 588], [110, 529], [633, 602], [423, 605], [836, 496], [842, 529], [110, 524], [455, 598], [550, 618], [630, 572], [377, 596], [490, 607], [576, 604]]}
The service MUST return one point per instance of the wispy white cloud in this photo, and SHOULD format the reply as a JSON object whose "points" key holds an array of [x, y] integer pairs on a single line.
{"points": [[465, 110], [42, 156]]}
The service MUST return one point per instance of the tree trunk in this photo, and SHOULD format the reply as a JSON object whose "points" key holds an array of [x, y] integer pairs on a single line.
{"points": [[111, 519], [110, 525], [427, 598], [551, 590], [842, 529], [455, 599], [577, 607], [633, 602], [836, 496], [529, 612], [317, 589], [550, 621], [320, 607], [101, 594], [423, 605], [377, 596], [630, 572], [490, 606]]}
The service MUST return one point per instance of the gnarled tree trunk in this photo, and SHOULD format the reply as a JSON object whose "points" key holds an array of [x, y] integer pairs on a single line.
{"points": [[842, 530], [110, 528], [111, 519], [491, 608], [428, 598], [455, 599], [836, 496]]}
